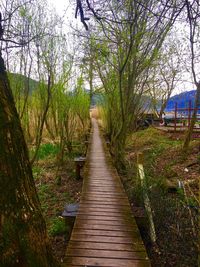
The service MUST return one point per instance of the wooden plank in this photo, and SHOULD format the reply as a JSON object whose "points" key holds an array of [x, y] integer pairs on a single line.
{"points": [[90, 220], [106, 195], [111, 233], [97, 208], [104, 200], [111, 254], [86, 262], [104, 218], [105, 232], [105, 246], [104, 188], [101, 221], [107, 183], [99, 213], [104, 179], [105, 239], [110, 205], [119, 206], [98, 226]]}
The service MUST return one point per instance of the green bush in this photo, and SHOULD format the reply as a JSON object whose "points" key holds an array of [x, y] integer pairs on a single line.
{"points": [[57, 227], [47, 150]]}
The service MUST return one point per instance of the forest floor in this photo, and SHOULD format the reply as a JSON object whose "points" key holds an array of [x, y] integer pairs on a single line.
{"points": [[56, 188], [173, 187], [172, 178]]}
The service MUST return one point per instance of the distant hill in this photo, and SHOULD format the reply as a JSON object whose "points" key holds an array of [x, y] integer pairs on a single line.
{"points": [[18, 82], [182, 100]]}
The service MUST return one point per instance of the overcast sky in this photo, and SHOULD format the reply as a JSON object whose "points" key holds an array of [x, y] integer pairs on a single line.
{"points": [[60, 5], [65, 9]]}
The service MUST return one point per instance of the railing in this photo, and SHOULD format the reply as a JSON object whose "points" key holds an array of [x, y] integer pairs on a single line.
{"points": [[182, 118]]}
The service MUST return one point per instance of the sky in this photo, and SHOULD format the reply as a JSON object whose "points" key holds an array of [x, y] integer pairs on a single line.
{"points": [[65, 9], [60, 5]]}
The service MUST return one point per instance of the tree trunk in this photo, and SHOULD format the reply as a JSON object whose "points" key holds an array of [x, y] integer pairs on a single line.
{"points": [[41, 125], [23, 237], [194, 115]]}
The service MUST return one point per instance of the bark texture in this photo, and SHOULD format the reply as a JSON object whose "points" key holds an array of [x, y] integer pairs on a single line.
{"points": [[23, 237]]}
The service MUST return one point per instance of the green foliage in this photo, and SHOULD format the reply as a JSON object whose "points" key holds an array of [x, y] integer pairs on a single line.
{"points": [[57, 226], [47, 151]]}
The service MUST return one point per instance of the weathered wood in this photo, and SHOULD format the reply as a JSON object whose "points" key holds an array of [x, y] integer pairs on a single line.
{"points": [[105, 246], [83, 261], [115, 254], [102, 221], [105, 232], [79, 163], [98, 226], [105, 209], [106, 239]]}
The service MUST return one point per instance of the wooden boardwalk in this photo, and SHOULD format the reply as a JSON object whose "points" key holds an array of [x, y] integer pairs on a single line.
{"points": [[105, 233]]}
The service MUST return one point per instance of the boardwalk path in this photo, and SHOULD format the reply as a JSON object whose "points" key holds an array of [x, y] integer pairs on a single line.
{"points": [[104, 234]]}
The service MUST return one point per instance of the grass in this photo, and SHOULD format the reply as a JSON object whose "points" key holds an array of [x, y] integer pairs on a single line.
{"points": [[163, 160], [57, 226], [55, 195], [47, 150], [151, 139], [153, 144]]}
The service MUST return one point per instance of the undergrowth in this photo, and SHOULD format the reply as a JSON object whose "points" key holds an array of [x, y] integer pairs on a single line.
{"points": [[46, 150], [176, 221], [53, 195]]}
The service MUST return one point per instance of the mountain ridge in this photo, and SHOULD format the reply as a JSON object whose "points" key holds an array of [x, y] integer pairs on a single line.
{"points": [[182, 100]]}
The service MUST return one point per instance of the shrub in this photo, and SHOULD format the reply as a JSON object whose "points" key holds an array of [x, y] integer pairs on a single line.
{"points": [[47, 150], [57, 227]]}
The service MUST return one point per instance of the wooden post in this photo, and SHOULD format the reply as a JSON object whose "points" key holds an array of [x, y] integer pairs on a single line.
{"points": [[69, 214], [189, 113], [140, 160], [79, 163], [175, 117]]}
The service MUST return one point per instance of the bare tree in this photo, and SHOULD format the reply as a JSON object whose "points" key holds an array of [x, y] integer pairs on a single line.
{"points": [[165, 75], [193, 19], [131, 34]]}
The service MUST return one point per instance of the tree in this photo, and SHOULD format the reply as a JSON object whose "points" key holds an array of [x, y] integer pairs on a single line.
{"points": [[165, 74], [193, 19], [131, 35], [23, 236]]}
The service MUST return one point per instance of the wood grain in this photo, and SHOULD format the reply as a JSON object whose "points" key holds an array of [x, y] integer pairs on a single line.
{"points": [[105, 232]]}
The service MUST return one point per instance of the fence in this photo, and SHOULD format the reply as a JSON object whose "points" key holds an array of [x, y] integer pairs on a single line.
{"points": [[182, 119]]}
